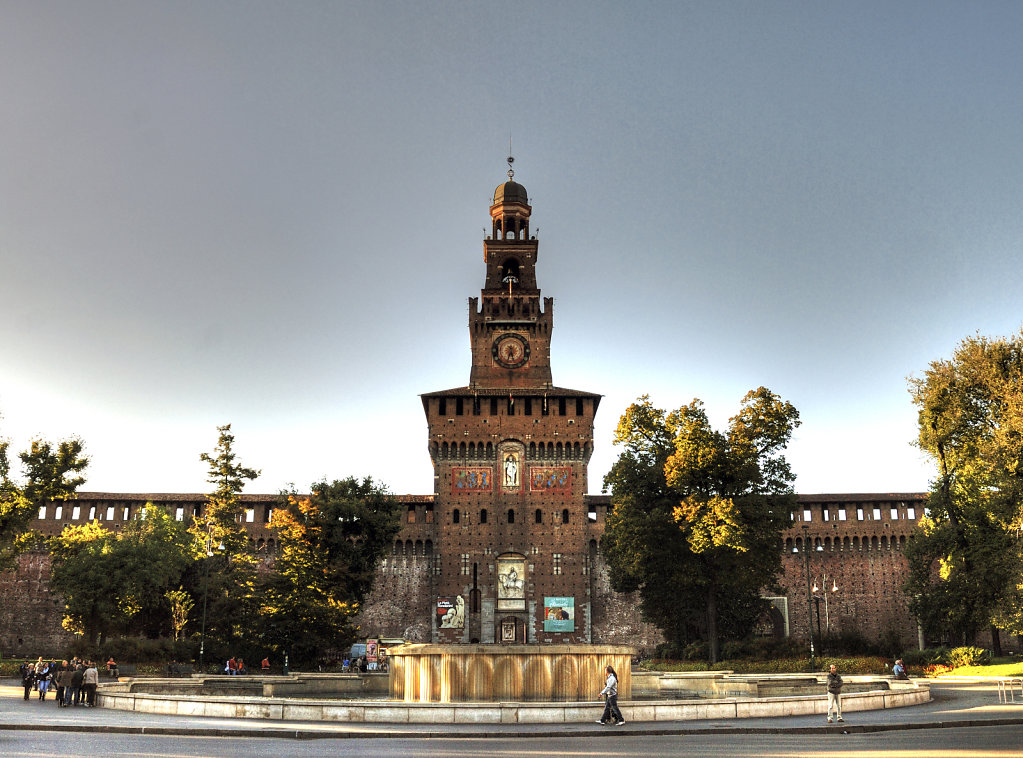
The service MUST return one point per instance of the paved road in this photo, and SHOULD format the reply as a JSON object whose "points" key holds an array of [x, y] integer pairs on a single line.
{"points": [[964, 719], [987, 742]]}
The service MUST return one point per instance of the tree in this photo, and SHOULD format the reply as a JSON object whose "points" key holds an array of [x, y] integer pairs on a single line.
{"points": [[329, 544], [221, 544], [116, 582], [698, 514], [965, 558], [181, 605], [221, 519], [50, 474]]}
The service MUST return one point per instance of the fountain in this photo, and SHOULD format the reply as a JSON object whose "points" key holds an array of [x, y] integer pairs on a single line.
{"points": [[424, 673]]}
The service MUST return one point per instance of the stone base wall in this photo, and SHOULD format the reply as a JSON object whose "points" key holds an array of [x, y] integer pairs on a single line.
{"points": [[30, 614]]}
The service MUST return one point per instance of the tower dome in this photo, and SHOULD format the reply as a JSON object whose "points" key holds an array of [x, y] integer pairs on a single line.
{"points": [[510, 192]]}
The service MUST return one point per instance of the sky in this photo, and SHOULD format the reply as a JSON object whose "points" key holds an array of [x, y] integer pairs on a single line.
{"points": [[271, 215]]}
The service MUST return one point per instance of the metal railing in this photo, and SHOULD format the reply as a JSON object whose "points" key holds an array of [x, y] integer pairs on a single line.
{"points": [[1007, 689]]}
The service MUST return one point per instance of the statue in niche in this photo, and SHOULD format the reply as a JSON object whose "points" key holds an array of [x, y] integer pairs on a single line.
{"points": [[511, 470]]}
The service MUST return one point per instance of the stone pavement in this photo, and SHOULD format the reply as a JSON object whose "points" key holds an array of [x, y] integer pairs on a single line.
{"points": [[961, 703]]}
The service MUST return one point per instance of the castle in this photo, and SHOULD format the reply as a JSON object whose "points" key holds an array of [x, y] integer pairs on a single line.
{"points": [[507, 547]]}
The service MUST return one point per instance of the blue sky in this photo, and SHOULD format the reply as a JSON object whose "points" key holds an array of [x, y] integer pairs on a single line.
{"points": [[271, 215]]}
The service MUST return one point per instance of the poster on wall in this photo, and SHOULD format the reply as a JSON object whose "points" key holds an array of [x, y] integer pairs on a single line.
{"points": [[559, 614], [451, 612], [371, 654], [511, 584]]}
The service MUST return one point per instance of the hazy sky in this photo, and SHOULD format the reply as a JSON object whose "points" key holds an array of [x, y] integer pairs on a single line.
{"points": [[271, 214]]}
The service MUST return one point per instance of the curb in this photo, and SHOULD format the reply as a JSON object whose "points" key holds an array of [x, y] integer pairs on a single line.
{"points": [[310, 734]]}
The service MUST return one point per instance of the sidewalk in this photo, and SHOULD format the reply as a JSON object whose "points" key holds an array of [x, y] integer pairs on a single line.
{"points": [[954, 704]]}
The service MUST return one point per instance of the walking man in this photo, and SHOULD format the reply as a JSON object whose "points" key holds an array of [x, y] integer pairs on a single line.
{"points": [[834, 693]]}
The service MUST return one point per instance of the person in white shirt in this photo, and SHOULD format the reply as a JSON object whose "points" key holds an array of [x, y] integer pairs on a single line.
{"points": [[611, 702]]}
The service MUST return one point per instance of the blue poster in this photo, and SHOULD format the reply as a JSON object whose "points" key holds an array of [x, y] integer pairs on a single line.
{"points": [[559, 614]]}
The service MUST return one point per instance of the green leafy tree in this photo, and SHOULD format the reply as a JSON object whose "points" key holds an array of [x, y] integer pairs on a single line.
{"points": [[965, 559], [116, 582], [698, 514], [221, 521], [328, 546], [50, 474], [226, 563]]}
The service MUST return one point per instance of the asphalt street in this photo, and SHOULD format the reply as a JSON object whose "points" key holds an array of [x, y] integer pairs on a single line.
{"points": [[964, 718]]}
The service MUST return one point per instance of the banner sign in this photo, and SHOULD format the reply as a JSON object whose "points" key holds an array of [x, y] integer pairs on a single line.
{"points": [[559, 614]]}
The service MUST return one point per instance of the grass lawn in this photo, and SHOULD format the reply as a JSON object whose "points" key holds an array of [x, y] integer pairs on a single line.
{"points": [[1000, 668]]}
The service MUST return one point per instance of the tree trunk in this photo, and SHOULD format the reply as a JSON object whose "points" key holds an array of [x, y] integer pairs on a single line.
{"points": [[996, 642], [712, 625]]}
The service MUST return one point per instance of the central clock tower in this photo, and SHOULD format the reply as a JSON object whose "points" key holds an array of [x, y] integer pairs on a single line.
{"points": [[509, 329]]}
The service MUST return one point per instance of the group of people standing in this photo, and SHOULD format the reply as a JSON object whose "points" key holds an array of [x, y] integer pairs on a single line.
{"points": [[74, 681]]}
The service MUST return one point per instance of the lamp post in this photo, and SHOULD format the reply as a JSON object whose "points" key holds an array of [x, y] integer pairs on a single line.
{"points": [[818, 593], [205, 590], [809, 596], [820, 635]]}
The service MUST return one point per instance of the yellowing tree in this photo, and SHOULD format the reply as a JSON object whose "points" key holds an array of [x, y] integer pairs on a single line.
{"points": [[698, 514]]}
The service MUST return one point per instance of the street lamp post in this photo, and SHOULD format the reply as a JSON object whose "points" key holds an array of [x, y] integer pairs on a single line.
{"points": [[820, 636], [809, 596], [822, 592], [205, 591]]}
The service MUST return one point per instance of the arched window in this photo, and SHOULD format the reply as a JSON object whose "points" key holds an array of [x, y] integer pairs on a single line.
{"points": [[511, 515], [456, 516], [564, 515], [539, 516], [483, 515]]}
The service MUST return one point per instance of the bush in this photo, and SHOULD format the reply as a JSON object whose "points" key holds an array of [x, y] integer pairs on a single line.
{"points": [[967, 656], [851, 642], [761, 649], [136, 650], [925, 657]]}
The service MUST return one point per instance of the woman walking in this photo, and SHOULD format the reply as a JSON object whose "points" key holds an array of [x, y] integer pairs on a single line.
{"points": [[42, 677], [610, 692]]}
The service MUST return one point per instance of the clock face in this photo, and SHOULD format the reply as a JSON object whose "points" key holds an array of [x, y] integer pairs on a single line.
{"points": [[510, 351]]}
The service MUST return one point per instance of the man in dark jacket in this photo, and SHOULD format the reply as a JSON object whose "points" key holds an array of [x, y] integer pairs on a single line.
{"points": [[76, 682], [834, 693], [28, 677]]}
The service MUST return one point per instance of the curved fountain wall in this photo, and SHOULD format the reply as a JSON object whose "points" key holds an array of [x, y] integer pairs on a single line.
{"points": [[486, 673]]}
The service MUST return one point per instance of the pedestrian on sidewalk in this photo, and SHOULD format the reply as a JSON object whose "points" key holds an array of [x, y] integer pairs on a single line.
{"points": [[77, 686], [42, 677], [28, 677], [610, 693], [63, 683], [834, 693], [89, 681]]}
